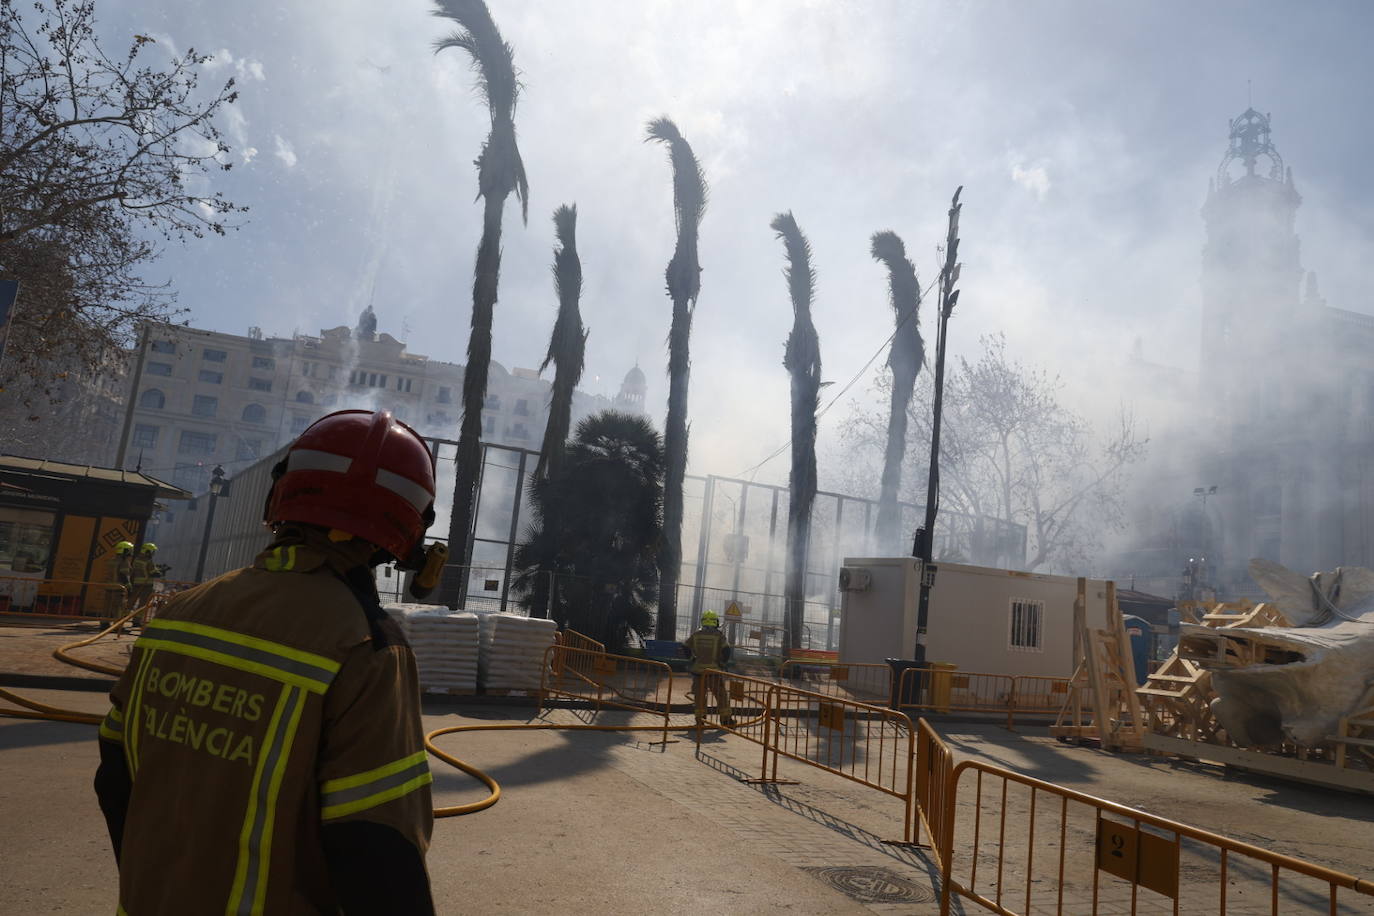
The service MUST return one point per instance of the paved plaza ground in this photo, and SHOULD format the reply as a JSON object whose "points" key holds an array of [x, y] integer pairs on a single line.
{"points": [[609, 823]]}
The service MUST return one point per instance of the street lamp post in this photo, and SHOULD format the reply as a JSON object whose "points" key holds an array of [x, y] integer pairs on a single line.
{"points": [[217, 489]]}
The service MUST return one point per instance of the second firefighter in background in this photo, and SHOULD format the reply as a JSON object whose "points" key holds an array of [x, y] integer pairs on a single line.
{"points": [[710, 650]]}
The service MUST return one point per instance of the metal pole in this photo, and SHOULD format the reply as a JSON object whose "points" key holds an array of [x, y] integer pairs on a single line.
{"points": [[133, 399], [925, 546], [205, 538]]}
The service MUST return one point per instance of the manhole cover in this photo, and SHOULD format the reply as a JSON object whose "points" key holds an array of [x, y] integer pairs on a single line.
{"points": [[871, 884]]}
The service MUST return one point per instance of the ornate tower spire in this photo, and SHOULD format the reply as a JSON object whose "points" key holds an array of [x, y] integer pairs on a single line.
{"points": [[1250, 143]]}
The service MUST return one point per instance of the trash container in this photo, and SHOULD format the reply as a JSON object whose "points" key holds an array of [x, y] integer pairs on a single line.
{"points": [[911, 689], [941, 682]]}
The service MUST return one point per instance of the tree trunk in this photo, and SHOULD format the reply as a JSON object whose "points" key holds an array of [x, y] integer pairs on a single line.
{"points": [[889, 513], [675, 469], [802, 495], [469, 459]]}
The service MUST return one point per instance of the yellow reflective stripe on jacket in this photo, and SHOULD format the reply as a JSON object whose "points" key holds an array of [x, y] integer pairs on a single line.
{"points": [[133, 708], [246, 653], [249, 890], [112, 728], [280, 559], [351, 794]]}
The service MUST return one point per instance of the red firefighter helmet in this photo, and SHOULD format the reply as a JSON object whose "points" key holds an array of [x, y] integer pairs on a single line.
{"points": [[360, 472]]}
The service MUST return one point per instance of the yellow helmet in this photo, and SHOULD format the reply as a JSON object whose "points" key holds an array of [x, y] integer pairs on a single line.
{"points": [[709, 619], [149, 547], [124, 547]]}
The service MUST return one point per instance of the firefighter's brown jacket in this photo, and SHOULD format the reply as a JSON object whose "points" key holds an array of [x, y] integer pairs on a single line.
{"points": [[264, 751]]}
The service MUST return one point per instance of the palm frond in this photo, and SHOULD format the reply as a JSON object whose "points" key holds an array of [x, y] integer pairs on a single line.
{"points": [[689, 181], [904, 295], [801, 276], [500, 168]]}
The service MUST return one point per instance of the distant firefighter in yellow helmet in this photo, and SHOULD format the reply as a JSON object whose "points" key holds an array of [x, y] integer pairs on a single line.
{"points": [[710, 650]]}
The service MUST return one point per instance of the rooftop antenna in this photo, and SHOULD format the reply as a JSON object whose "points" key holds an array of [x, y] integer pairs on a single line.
{"points": [[1249, 95]]}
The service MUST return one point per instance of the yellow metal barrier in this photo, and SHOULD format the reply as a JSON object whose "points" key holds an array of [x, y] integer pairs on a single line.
{"points": [[575, 640], [1040, 695], [934, 765], [619, 681], [867, 682], [951, 690], [1059, 851], [871, 745]]}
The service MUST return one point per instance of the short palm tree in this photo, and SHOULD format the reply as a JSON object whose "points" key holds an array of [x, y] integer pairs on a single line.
{"points": [[500, 172], [684, 283], [598, 526], [802, 358], [905, 359]]}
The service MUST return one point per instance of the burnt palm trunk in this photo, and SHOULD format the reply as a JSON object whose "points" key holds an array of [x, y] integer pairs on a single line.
{"points": [[683, 278], [905, 358], [500, 172], [802, 359]]}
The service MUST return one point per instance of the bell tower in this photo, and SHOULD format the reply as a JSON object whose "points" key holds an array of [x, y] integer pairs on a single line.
{"points": [[1251, 268]]}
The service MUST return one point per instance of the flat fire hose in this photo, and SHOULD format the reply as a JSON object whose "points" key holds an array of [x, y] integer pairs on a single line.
{"points": [[32, 709]]}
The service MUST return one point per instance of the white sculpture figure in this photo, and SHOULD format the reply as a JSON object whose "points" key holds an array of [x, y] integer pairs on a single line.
{"points": [[1292, 684]]}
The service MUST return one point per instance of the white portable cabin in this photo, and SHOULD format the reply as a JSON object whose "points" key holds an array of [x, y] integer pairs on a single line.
{"points": [[991, 621]]}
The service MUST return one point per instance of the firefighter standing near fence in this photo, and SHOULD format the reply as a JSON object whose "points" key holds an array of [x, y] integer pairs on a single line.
{"points": [[264, 751], [143, 570], [121, 573], [709, 650]]}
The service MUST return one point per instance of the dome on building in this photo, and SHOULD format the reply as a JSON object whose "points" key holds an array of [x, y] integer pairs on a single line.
{"points": [[635, 378]]}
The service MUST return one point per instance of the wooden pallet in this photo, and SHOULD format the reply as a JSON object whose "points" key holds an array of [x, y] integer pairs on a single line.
{"points": [[1102, 705], [1177, 697]]}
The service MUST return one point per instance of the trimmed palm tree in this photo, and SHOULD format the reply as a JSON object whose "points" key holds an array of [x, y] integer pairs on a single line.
{"points": [[500, 172], [597, 523], [684, 283], [802, 358], [567, 351], [568, 345], [905, 359]]}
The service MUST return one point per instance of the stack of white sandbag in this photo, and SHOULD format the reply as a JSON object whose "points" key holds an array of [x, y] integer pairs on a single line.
{"points": [[445, 644], [513, 650]]}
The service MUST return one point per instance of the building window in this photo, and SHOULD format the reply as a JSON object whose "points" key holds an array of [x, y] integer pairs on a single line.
{"points": [[299, 424], [381, 381], [260, 384], [333, 373], [164, 346], [1026, 619], [213, 378], [307, 369], [445, 395], [145, 436], [214, 356], [304, 397], [158, 368], [491, 403], [194, 443], [204, 406], [152, 399], [189, 476], [249, 449], [264, 362], [402, 384], [254, 413], [522, 408], [488, 425], [518, 431]]}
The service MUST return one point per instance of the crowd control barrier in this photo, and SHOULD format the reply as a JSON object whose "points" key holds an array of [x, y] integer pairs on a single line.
{"points": [[1016, 845], [861, 681], [934, 766], [575, 640], [944, 690], [870, 745], [603, 679]]}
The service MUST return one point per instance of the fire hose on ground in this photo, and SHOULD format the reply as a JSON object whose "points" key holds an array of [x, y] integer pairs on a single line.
{"points": [[33, 709]]}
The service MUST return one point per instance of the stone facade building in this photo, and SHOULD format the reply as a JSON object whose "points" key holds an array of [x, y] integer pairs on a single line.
{"points": [[205, 398], [1271, 453]]}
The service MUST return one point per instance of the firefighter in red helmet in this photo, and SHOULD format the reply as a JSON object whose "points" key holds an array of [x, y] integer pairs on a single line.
{"points": [[263, 752]]}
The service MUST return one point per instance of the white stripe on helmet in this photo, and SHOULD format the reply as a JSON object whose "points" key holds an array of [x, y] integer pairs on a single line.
{"points": [[309, 459], [409, 490]]}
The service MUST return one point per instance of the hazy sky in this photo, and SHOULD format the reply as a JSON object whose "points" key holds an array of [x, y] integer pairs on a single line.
{"points": [[1084, 135]]}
